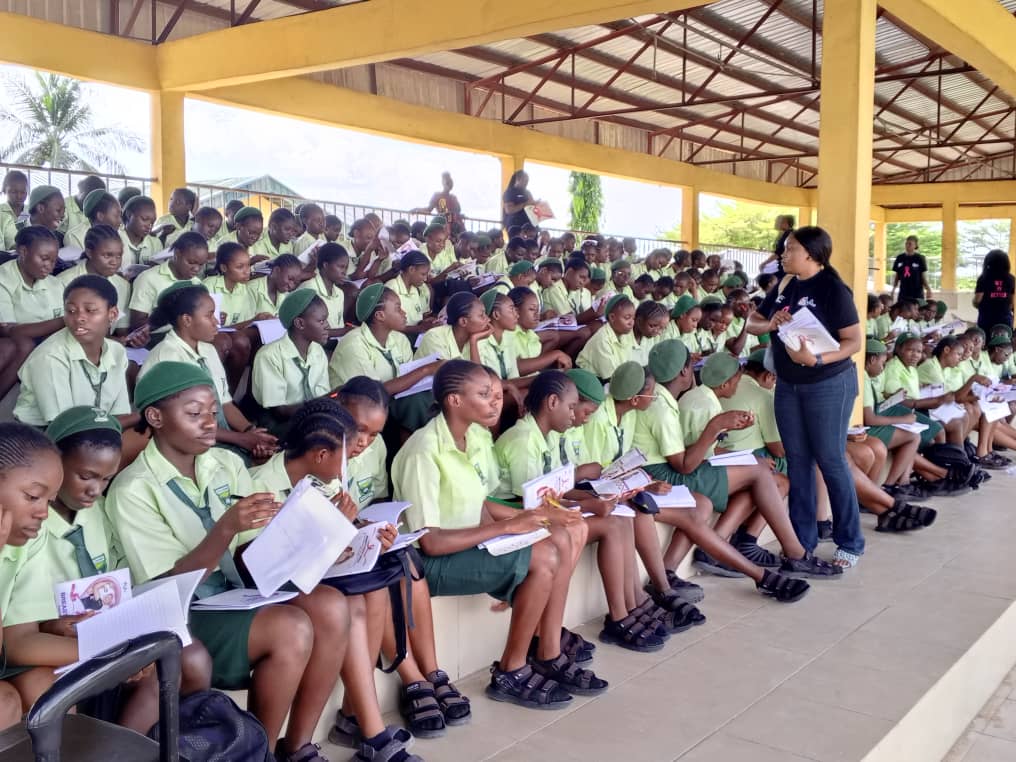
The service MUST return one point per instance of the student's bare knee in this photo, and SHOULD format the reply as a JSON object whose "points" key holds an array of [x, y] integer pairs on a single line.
{"points": [[195, 668], [333, 611], [10, 705], [282, 632], [544, 558]]}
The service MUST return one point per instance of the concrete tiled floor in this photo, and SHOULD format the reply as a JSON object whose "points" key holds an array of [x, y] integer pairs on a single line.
{"points": [[991, 737], [823, 679]]}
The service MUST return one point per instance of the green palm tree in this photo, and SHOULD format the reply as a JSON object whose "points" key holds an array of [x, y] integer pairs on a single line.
{"points": [[53, 128]]}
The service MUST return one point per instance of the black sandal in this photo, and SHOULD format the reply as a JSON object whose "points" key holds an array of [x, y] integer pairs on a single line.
{"points": [[783, 589], [631, 633], [570, 676], [454, 706], [679, 615], [526, 687], [903, 517], [419, 707], [346, 731], [650, 615], [572, 643]]}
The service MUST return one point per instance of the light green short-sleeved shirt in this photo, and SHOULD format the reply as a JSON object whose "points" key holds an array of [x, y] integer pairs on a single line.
{"points": [[878, 386], [75, 237], [140, 253], [695, 341], [415, 300], [502, 356], [72, 215], [640, 348], [606, 438], [264, 247], [238, 304], [497, 263], [174, 348], [121, 284], [50, 559], [605, 351], [278, 373], [440, 340], [149, 284], [188, 228], [156, 528], [446, 486], [868, 392], [976, 366], [955, 378], [930, 372], [580, 300], [698, 406], [12, 560], [444, 259], [571, 446], [524, 453], [170, 220], [882, 325], [273, 477], [658, 428], [335, 301], [527, 344], [360, 354], [57, 375], [8, 227], [898, 376], [21, 303], [263, 304], [304, 242], [367, 474], [750, 396], [555, 298]]}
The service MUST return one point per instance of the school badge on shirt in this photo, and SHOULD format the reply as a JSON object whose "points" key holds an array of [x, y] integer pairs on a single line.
{"points": [[223, 493]]}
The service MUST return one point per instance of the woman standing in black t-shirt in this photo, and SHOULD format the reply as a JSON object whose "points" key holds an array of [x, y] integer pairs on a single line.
{"points": [[815, 392], [994, 292], [516, 198]]}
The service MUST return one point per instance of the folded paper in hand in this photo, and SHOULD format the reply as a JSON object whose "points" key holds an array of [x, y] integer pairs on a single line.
{"points": [[92, 594], [426, 383], [804, 329], [556, 482]]}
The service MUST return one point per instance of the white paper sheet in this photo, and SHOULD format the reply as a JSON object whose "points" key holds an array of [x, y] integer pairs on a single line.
{"points": [[426, 383], [738, 458], [855, 430], [403, 540], [913, 428], [631, 460], [621, 511], [70, 254], [994, 411], [678, 497], [241, 599], [932, 390], [366, 549], [948, 412], [137, 355], [162, 256], [387, 513], [558, 481], [300, 544], [508, 543], [633, 480], [96, 593], [891, 401], [805, 327], [270, 330]]}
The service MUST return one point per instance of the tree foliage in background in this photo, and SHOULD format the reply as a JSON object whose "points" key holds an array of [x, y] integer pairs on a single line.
{"points": [[53, 127], [587, 201], [752, 226]]}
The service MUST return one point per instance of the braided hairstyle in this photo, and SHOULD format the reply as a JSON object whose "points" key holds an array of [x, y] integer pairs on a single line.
{"points": [[18, 445], [177, 303], [319, 423], [451, 378], [99, 233], [363, 388], [546, 384]]}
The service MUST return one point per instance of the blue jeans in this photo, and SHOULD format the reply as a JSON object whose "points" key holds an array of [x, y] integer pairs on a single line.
{"points": [[813, 421]]}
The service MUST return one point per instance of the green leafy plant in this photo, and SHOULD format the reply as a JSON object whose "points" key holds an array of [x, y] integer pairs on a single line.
{"points": [[587, 201]]}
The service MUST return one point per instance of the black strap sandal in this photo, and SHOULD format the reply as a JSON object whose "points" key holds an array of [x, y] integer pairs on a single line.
{"points": [[419, 707], [679, 616], [631, 633], [650, 615], [570, 676], [903, 517], [454, 706], [526, 687], [923, 514], [345, 732], [572, 643], [783, 589]]}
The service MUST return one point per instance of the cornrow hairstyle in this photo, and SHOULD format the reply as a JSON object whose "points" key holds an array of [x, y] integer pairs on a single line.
{"points": [[649, 309], [92, 439], [207, 212], [666, 281], [576, 263], [519, 294], [499, 302], [225, 253], [682, 257], [451, 378], [140, 202], [18, 445], [546, 384], [363, 388], [99, 233], [32, 235], [13, 175], [285, 260], [94, 283], [106, 202], [189, 240], [946, 342], [280, 216], [459, 305], [329, 429], [177, 303], [331, 252]]}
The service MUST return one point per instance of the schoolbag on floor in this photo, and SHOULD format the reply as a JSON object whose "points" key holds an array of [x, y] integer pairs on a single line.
{"points": [[954, 459], [214, 729]]}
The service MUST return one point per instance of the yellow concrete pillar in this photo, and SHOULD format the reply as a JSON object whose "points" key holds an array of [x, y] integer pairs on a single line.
{"points": [[1012, 238], [881, 258], [805, 216], [950, 212], [169, 151], [690, 218]]}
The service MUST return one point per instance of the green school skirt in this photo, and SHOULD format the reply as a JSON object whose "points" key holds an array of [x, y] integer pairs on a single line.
{"points": [[885, 433], [706, 480], [226, 635], [414, 411], [475, 571], [764, 454]]}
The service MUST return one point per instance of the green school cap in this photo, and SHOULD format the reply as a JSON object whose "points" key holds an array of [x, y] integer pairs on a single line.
{"points": [[550, 262], [719, 368], [733, 281], [126, 194], [628, 380], [597, 273], [41, 193], [74, 420], [589, 386], [1000, 329], [178, 285], [614, 301], [247, 212], [368, 301], [667, 359], [1000, 341], [711, 299], [519, 268], [483, 240], [619, 264], [684, 303], [439, 220], [758, 356], [873, 346], [295, 305], [488, 298], [166, 379], [93, 199], [940, 308]]}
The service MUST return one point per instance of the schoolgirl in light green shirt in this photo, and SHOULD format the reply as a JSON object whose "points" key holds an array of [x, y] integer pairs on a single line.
{"points": [[651, 320], [15, 190], [531, 356], [248, 226], [31, 299], [468, 324], [312, 217], [182, 204], [138, 242], [207, 222], [613, 344], [977, 361], [498, 351], [190, 253], [231, 284], [284, 276], [104, 257], [414, 295], [1000, 354], [685, 317], [101, 208], [327, 283], [277, 239]]}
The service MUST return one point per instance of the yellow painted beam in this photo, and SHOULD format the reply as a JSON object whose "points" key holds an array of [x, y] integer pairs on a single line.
{"points": [[978, 31], [1012, 237], [169, 149], [949, 246], [334, 106], [690, 218], [877, 214], [77, 53], [805, 215], [379, 30], [934, 214], [974, 192]]}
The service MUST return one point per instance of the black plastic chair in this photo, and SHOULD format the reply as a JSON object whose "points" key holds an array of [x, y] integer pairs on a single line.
{"points": [[51, 735]]}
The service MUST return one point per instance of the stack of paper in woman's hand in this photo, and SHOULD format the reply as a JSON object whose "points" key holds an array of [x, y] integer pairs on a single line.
{"points": [[805, 329]]}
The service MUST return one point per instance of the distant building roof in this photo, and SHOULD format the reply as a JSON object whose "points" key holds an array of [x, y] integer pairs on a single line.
{"points": [[261, 183]]}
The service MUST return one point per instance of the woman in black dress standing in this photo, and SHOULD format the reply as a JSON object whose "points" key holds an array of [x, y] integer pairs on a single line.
{"points": [[993, 294], [516, 198]]}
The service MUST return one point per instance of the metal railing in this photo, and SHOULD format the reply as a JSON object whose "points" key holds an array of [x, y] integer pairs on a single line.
{"points": [[752, 259], [67, 179]]}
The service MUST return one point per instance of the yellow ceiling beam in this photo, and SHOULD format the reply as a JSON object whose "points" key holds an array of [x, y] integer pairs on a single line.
{"points": [[379, 30], [77, 53], [334, 106], [979, 31], [969, 192], [934, 213]]}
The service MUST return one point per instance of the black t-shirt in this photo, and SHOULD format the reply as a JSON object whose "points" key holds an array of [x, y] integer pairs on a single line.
{"points": [[831, 302], [996, 300], [516, 196], [911, 269]]}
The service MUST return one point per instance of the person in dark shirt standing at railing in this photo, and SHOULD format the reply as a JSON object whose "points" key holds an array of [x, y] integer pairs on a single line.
{"points": [[911, 270]]}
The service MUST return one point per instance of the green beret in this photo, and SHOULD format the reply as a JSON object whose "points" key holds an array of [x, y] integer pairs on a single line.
{"points": [[126, 194], [484, 240], [1000, 341], [614, 301], [1002, 328], [710, 299], [597, 273], [941, 308], [904, 337], [135, 201], [294, 305], [368, 300], [439, 220], [733, 281], [683, 304], [81, 418], [176, 286], [550, 262], [619, 264], [873, 346], [92, 200], [667, 359], [247, 212], [166, 379], [432, 228], [589, 386], [758, 356], [41, 193], [719, 368], [488, 298], [628, 380], [519, 268]]}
